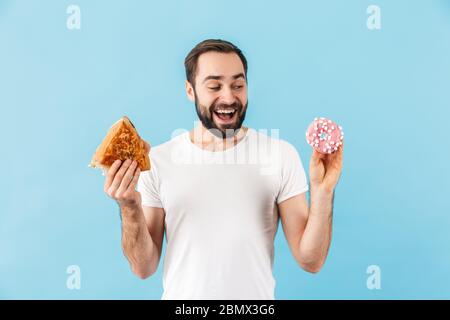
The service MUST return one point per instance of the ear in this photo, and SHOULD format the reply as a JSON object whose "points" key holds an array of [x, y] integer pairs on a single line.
{"points": [[190, 91]]}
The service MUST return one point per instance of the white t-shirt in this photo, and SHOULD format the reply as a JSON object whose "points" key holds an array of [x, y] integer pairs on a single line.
{"points": [[221, 213]]}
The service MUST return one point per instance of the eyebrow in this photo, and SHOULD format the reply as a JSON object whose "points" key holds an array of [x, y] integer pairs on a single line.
{"points": [[236, 76]]}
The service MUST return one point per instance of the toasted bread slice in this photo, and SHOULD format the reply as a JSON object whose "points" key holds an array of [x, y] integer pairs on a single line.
{"points": [[121, 142]]}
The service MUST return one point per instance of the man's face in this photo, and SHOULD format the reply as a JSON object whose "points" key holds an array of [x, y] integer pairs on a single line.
{"points": [[220, 92]]}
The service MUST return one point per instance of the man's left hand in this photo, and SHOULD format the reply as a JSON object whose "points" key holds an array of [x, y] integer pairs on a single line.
{"points": [[325, 169]]}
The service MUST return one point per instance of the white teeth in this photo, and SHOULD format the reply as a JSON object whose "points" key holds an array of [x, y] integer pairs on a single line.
{"points": [[224, 111]]}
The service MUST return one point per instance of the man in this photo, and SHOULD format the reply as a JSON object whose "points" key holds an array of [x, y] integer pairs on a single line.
{"points": [[220, 217]]}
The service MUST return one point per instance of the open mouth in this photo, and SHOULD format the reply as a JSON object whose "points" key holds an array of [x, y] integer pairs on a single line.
{"points": [[225, 115]]}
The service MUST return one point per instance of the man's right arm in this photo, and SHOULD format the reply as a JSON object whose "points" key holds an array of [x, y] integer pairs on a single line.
{"points": [[142, 227], [142, 237]]}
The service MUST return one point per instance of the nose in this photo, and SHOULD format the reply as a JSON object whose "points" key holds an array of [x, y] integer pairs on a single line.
{"points": [[227, 96]]}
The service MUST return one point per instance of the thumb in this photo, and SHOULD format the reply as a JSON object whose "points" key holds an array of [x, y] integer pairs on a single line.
{"points": [[316, 157]]}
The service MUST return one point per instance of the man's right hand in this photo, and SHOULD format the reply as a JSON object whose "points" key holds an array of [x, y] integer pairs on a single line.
{"points": [[120, 183]]}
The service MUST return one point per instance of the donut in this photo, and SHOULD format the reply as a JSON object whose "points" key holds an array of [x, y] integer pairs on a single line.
{"points": [[324, 135]]}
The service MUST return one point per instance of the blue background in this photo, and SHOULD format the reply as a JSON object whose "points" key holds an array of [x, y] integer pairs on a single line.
{"points": [[60, 90]]}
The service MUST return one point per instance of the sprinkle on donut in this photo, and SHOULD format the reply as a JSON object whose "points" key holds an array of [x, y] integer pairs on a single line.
{"points": [[324, 135]]}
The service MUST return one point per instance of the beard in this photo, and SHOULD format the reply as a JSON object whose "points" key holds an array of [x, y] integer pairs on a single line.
{"points": [[205, 114]]}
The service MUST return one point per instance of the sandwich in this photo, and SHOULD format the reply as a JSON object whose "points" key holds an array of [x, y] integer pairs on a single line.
{"points": [[121, 142]]}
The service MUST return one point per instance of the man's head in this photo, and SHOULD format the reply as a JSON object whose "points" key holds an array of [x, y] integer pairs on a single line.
{"points": [[216, 80]]}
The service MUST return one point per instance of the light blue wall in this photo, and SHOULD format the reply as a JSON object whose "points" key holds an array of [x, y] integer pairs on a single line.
{"points": [[60, 90]]}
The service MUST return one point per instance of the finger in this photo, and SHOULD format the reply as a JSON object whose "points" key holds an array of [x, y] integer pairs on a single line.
{"points": [[340, 155], [127, 177], [341, 146], [110, 173], [331, 160], [334, 165], [335, 155], [118, 177], [340, 152], [316, 156], [135, 180]]}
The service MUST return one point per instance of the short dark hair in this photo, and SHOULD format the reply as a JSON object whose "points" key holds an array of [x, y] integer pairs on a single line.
{"points": [[217, 45]]}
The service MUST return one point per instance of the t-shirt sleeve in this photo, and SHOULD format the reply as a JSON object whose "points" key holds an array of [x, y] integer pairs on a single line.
{"points": [[293, 176], [148, 186]]}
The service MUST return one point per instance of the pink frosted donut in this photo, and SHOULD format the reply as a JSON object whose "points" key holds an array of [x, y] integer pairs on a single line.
{"points": [[324, 135]]}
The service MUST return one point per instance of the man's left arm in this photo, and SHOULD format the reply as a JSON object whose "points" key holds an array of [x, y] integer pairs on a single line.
{"points": [[307, 228]]}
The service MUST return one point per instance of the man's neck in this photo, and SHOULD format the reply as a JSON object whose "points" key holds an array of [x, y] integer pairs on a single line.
{"points": [[201, 137]]}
